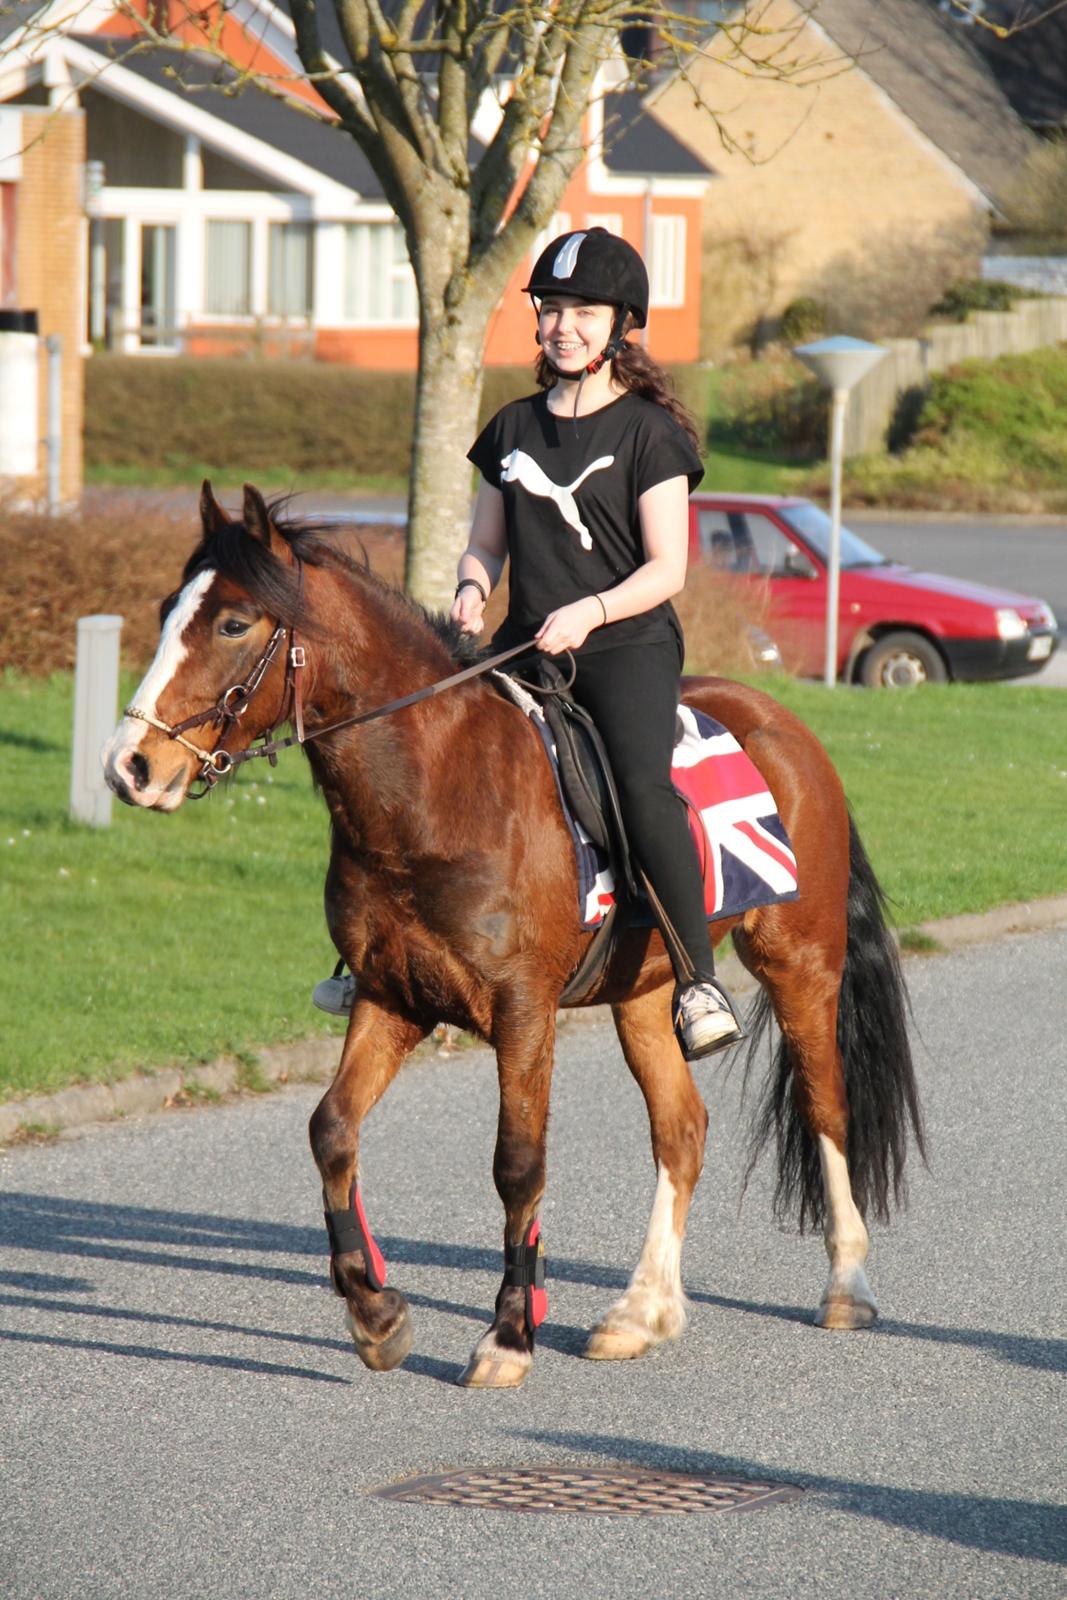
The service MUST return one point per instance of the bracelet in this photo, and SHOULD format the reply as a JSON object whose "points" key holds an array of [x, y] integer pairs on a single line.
{"points": [[603, 608], [471, 583]]}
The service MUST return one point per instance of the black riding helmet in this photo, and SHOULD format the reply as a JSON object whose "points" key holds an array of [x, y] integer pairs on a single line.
{"points": [[592, 264]]}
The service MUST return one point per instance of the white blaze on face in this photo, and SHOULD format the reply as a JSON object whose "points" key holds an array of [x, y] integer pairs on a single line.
{"points": [[170, 654]]}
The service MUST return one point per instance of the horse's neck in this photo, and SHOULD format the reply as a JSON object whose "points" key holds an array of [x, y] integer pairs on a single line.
{"points": [[371, 650]]}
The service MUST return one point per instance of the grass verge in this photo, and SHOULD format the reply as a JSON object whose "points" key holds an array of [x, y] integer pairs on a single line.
{"points": [[174, 940]]}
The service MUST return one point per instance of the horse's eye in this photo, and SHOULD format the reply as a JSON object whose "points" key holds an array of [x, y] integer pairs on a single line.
{"points": [[234, 628]]}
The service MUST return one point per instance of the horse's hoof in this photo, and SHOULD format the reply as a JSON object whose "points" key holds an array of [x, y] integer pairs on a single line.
{"points": [[843, 1312], [387, 1353], [617, 1344], [505, 1371]]}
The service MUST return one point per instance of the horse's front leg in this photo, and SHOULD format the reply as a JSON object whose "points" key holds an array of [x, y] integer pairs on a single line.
{"points": [[654, 1306], [524, 1038], [375, 1045]]}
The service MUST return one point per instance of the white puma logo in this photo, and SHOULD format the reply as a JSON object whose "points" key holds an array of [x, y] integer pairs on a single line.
{"points": [[521, 468]]}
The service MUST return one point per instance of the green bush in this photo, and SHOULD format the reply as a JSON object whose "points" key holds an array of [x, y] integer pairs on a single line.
{"points": [[248, 416], [769, 405], [802, 319], [978, 294]]}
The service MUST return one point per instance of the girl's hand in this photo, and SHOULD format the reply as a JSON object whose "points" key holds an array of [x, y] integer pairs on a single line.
{"points": [[467, 609], [570, 626]]}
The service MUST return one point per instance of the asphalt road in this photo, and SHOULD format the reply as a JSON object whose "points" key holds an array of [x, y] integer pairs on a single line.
{"points": [[182, 1415]]}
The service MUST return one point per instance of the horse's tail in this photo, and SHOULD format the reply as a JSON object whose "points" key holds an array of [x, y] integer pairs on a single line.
{"points": [[883, 1097]]}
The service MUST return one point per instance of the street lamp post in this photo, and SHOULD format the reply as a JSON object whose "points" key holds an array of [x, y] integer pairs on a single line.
{"points": [[839, 364]]}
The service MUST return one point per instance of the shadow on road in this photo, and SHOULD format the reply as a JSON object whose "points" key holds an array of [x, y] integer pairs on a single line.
{"points": [[53, 1225], [1030, 1529]]}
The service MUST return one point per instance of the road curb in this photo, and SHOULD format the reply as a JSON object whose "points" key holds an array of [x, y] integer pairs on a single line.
{"points": [[48, 1116]]}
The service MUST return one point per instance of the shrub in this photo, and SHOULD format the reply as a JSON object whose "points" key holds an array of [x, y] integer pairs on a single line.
{"points": [[1037, 201], [57, 569], [247, 416], [770, 405], [802, 319], [977, 294]]}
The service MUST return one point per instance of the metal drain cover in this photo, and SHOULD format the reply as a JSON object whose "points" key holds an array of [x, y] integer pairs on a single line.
{"points": [[612, 1491]]}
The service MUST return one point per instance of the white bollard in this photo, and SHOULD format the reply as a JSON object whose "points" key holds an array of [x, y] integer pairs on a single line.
{"points": [[96, 694]]}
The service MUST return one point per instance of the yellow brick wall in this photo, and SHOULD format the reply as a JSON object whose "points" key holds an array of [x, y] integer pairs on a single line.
{"points": [[50, 274], [821, 181]]}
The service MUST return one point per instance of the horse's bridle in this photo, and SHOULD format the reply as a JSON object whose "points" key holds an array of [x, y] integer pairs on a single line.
{"points": [[230, 707], [234, 701]]}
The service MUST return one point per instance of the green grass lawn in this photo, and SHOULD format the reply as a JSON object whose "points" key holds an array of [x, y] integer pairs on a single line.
{"points": [[176, 939]]}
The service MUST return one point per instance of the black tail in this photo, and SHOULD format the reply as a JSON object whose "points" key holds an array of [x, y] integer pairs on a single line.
{"points": [[883, 1098]]}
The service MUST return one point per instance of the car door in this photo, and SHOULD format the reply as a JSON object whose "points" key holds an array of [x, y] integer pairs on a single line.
{"points": [[759, 554]]}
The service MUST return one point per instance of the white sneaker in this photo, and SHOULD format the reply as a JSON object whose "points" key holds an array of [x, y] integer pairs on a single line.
{"points": [[337, 995], [705, 1021]]}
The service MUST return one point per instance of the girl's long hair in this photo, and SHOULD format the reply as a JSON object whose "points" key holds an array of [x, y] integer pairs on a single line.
{"points": [[635, 369]]}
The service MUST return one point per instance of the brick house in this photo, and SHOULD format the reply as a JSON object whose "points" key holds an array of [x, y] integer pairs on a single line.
{"points": [[224, 221], [42, 157], [866, 177]]}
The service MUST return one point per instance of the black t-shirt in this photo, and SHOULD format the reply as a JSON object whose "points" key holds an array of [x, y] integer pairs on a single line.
{"points": [[570, 504]]}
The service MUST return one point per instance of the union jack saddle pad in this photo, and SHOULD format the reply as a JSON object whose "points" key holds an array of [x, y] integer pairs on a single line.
{"points": [[744, 850]]}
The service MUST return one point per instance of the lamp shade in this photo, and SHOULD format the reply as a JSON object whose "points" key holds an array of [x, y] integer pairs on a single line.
{"points": [[840, 362]]}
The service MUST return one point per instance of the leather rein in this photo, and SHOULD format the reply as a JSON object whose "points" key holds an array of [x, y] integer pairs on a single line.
{"points": [[234, 702]]}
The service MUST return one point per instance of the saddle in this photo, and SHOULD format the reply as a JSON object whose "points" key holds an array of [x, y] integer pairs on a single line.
{"points": [[745, 854]]}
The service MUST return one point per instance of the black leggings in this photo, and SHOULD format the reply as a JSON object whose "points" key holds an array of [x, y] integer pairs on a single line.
{"points": [[632, 694]]}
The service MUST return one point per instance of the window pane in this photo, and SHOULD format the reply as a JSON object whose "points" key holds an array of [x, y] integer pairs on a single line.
{"points": [[667, 267], [291, 269], [228, 291], [379, 282], [771, 546]]}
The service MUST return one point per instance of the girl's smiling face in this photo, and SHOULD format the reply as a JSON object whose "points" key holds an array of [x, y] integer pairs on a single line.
{"points": [[573, 332]]}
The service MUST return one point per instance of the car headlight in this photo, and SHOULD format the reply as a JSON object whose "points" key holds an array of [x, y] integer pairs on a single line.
{"points": [[1010, 625], [1047, 617]]}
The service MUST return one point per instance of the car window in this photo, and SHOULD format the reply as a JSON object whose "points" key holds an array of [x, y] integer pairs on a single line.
{"points": [[774, 554], [812, 523]]}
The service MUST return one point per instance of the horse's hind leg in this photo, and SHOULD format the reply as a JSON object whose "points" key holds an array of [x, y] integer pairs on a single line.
{"points": [[375, 1046], [808, 1105], [654, 1307], [524, 1034]]}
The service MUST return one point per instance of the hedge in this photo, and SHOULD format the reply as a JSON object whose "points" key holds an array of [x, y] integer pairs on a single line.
{"points": [[247, 415]]}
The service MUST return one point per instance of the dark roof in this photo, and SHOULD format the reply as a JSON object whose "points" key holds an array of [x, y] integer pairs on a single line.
{"points": [[327, 150], [15, 13], [930, 68], [634, 142], [1031, 65]]}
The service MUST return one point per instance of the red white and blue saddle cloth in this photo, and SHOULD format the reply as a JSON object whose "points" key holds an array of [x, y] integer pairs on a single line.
{"points": [[744, 850]]}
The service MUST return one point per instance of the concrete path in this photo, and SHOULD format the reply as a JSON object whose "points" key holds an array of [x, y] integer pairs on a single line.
{"points": [[181, 1414]]}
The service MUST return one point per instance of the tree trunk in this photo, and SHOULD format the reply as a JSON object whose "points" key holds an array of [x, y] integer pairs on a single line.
{"points": [[451, 346]]}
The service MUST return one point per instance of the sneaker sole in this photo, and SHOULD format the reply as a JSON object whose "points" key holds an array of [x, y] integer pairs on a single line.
{"points": [[713, 1046]]}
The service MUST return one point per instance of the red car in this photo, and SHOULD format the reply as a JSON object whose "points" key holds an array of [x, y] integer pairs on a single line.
{"points": [[896, 626]]}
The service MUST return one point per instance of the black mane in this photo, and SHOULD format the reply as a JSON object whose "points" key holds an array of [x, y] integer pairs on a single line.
{"points": [[277, 588]]}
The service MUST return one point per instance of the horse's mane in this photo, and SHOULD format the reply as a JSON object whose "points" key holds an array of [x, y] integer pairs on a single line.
{"points": [[277, 588]]}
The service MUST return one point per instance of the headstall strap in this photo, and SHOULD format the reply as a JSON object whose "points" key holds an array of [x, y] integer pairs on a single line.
{"points": [[524, 1268], [348, 1231]]}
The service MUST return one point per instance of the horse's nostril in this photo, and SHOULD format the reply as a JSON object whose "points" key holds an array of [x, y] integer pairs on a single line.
{"points": [[138, 768]]}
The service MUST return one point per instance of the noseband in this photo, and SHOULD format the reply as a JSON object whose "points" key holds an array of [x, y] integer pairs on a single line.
{"points": [[230, 707]]}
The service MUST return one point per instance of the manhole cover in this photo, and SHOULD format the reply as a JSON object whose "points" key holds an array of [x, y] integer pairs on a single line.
{"points": [[615, 1491]]}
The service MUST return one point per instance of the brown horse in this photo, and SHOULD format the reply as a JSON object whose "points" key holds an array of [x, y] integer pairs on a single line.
{"points": [[451, 893]]}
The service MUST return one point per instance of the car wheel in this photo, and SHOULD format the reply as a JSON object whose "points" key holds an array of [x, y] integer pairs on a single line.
{"points": [[901, 660]]}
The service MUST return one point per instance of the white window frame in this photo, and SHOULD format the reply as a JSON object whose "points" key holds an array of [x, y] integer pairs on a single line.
{"points": [[610, 220], [667, 261], [559, 223], [400, 272]]}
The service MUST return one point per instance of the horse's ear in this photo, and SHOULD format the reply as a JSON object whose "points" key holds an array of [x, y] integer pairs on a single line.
{"points": [[212, 516], [257, 521]]}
